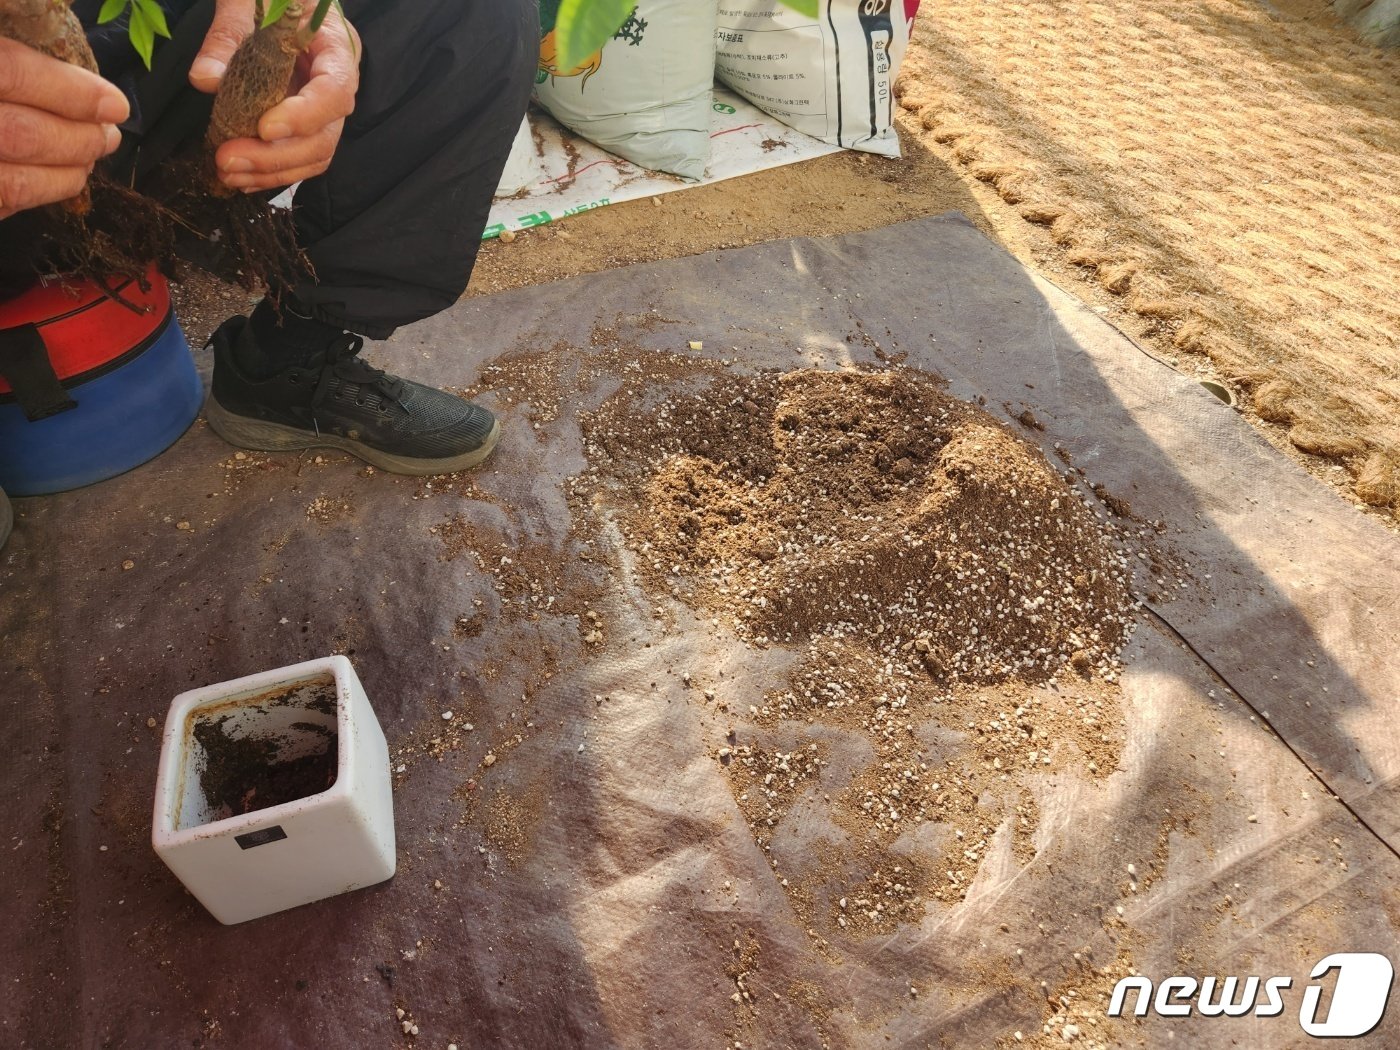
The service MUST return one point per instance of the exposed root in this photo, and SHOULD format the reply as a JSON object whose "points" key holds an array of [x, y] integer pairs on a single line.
{"points": [[125, 231], [118, 237]]}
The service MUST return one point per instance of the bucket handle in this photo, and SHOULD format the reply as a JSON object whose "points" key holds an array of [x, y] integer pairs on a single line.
{"points": [[25, 365]]}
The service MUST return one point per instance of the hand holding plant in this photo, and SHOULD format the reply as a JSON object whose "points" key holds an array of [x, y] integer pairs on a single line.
{"points": [[258, 138], [264, 138], [56, 121]]}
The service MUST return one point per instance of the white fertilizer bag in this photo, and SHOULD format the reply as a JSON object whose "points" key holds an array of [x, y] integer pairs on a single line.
{"points": [[646, 94], [522, 166], [824, 67]]}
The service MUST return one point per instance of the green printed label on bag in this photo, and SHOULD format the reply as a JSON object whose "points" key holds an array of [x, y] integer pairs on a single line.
{"points": [[586, 207]]}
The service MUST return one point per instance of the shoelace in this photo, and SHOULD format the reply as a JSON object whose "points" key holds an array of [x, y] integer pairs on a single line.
{"points": [[343, 362]]}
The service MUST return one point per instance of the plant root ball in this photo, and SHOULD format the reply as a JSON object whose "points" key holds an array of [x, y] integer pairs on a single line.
{"points": [[258, 77]]}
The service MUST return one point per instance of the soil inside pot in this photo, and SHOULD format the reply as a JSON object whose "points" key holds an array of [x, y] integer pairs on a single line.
{"points": [[242, 775]]}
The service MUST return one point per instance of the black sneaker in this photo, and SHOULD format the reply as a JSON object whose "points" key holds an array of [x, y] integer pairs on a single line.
{"points": [[7, 517], [339, 401]]}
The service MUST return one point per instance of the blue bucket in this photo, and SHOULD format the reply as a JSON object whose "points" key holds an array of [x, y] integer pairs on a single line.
{"points": [[92, 384]]}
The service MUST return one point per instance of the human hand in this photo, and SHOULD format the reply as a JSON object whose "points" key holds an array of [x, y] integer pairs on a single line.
{"points": [[56, 121], [297, 137]]}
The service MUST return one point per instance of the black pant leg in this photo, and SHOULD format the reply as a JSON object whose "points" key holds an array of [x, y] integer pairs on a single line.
{"points": [[393, 227], [167, 113]]}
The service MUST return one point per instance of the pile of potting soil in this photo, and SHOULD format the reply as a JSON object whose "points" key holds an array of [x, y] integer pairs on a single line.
{"points": [[865, 505], [946, 594]]}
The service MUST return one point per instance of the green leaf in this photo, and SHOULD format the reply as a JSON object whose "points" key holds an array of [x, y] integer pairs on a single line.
{"points": [[111, 9], [143, 36], [275, 10], [583, 26], [807, 8], [154, 15]]}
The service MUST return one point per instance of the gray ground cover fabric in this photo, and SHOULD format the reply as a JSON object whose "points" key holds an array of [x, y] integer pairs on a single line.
{"points": [[614, 920]]}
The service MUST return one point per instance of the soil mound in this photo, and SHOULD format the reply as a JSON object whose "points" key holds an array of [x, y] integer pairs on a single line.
{"points": [[841, 505]]}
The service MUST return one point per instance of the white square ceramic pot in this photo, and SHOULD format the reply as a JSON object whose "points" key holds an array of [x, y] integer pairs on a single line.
{"points": [[274, 791]]}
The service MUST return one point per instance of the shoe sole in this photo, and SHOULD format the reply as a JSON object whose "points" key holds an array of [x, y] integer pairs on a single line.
{"points": [[277, 437]]}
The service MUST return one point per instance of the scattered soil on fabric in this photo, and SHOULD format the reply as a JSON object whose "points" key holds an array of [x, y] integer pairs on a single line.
{"points": [[946, 594], [203, 302], [894, 893], [510, 820], [746, 954], [536, 585], [531, 378], [533, 580], [327, 510], [767, 781], [542, 380], [1075, 1011]]}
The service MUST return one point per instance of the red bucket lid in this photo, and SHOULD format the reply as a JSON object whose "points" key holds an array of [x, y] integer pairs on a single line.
{"points": [[83, 327]]}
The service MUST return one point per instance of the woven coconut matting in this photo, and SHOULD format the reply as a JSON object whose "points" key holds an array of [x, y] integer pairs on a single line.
{"points": [[1228, 166]]}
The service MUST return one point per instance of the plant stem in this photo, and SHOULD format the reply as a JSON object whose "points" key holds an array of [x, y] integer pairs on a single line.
{"points": [[318, 18]]}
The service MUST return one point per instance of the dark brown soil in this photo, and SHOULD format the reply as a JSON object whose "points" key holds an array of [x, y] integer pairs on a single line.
{"points": [[827, 505], [241, 774]]}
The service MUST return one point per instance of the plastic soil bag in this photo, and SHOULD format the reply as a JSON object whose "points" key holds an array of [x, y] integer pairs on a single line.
{"points": [[830, 76], [646, 94]]}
